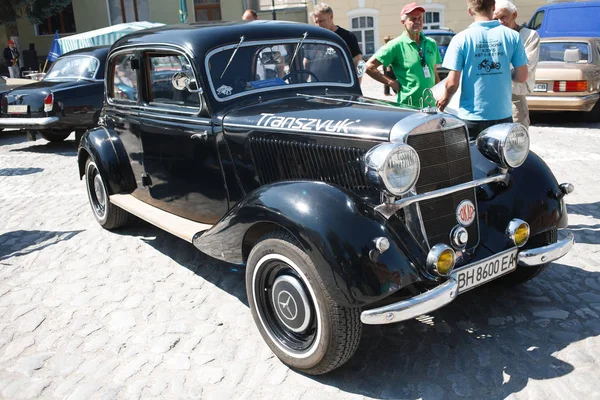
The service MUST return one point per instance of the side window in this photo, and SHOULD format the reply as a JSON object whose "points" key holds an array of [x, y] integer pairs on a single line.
{"points": [[124, 82], [161, 68], [536, 21]]}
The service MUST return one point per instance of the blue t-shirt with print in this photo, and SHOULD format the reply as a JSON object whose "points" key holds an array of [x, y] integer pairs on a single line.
{"points": [[483, 53]]}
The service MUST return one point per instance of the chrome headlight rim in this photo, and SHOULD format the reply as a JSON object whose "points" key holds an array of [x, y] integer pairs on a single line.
{"points": [[433, 259], [376, 161], [492, 143]]}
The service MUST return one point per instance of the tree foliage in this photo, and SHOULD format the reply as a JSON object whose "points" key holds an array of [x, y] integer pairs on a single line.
{"points": [[36, 11]]}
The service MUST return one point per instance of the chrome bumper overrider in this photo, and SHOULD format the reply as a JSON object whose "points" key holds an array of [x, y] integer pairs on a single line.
{"points": [[27, 122], [546, 254], [446, 292]]}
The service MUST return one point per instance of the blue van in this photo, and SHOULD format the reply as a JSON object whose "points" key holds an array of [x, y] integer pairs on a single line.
{"points": [[567, 19]]}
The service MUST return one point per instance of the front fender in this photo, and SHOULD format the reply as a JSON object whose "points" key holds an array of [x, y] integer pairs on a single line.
{"points": [[105, 148], [337, 230], [531, 195]]}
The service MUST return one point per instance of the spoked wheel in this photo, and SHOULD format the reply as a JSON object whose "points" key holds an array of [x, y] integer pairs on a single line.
{"points": [[55, 136], [107, 214], [293, 310]]}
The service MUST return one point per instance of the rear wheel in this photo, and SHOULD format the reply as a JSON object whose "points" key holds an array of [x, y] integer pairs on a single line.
{"points": [[293, 309], [55, 136], [524, 273], [107, 214]]}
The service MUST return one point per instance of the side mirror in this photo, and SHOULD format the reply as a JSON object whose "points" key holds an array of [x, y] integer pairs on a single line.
{"points": [[361, 68], [183, 80]]}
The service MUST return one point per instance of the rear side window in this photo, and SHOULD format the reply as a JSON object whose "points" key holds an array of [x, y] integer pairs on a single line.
{"points": [[124, 79], [571, 52], [536, 21], [161, 69]]}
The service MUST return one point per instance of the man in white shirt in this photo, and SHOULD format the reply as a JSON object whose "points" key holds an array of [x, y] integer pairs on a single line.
{"points": [[11, 56], [506, 13]]}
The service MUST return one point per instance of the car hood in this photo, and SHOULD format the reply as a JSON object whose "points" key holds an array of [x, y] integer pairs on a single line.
{"points": [[350, 116]]}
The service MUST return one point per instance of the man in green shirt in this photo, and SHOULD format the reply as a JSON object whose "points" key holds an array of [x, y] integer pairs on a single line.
{"points": [[413, 58]]}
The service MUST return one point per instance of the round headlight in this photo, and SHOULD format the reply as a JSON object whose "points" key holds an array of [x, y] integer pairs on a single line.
{"points": [[392, 167], [505, 144]]}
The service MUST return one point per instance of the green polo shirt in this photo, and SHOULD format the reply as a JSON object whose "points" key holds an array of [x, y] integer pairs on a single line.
{"points": [[402, 54]]}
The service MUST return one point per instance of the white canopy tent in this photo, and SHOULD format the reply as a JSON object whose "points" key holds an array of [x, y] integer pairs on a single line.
{"points": [[102, 36]]}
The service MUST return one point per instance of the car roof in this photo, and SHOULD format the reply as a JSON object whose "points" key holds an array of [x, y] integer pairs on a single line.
{"points": [[98, 51], [572, 4], [438, 32], [199, 38]]}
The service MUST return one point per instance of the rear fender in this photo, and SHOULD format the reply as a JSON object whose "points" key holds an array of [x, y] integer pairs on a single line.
{"points": [[336, 229], [106, 149]]}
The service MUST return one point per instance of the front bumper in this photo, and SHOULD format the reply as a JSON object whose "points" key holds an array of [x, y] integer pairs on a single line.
{"points": [[29, 123], [562, 103], [446, 292]]}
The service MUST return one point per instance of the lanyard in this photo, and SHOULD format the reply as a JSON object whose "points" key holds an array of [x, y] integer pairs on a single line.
{"points": [[422, 53]]}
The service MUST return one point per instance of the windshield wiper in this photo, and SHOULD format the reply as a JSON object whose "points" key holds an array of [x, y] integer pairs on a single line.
{"points": [[298, 47], [232, 55]]}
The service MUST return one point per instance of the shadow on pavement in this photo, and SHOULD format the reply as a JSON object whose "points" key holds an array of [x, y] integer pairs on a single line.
{"points": [[487, 344], [12, 137], [66, 148], [20, 243], [19, 171], [562, 119], [227, 277]]}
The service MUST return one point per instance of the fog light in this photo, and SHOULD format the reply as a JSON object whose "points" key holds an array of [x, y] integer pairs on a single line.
{"points": [[440, 259], [518, 232]]}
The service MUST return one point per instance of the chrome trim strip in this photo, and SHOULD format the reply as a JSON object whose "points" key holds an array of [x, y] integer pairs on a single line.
{"points": [[420, 123], [546, 254], [413, 307], [389, 209], [349, 66], [27, 122], [268, 128], [190, 120], [374, 104]]}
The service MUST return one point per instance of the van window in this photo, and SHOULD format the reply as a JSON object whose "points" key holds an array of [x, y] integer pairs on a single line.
{"points": [[536, 21]]}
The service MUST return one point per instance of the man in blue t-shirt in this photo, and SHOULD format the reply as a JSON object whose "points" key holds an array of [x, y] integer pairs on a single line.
{"points": [[481, 56]]}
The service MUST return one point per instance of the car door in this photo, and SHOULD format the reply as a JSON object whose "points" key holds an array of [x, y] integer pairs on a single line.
{"points": [[121, 112], [180, 157]]}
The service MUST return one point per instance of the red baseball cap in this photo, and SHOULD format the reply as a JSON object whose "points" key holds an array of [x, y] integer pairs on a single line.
{"points": [[410, 7]]}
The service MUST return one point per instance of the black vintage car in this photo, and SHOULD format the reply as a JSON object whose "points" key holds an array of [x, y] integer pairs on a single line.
{"points": [[68, 99], [344, 210]]}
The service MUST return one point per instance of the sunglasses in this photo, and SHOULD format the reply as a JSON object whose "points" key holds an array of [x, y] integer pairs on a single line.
{"points": [[422, 55]]}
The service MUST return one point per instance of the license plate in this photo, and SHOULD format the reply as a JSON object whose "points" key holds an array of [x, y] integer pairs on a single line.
{"points": [[17, 109], [486, 270], [540, 87]]}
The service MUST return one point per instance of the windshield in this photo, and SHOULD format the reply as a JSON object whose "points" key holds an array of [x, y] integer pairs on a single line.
{"points": [[75, 67], [441, 40], [565, 52], [264, 67]]}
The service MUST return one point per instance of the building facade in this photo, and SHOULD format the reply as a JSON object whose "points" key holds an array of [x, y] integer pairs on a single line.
{"points": [[85, 15], [372, 20]]}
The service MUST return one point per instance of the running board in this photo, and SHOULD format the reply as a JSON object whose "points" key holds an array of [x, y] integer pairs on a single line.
{"points": [[180, 227]]}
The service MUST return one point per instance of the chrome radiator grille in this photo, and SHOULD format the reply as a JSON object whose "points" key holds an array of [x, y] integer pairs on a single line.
{"points": [[278, 160], [445, 162]]}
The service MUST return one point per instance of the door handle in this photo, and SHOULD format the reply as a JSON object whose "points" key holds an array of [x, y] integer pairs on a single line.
{"points": [[203, 135]]}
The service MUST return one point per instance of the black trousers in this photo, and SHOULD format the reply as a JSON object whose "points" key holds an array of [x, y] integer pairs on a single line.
{"points": [[476, 127]]}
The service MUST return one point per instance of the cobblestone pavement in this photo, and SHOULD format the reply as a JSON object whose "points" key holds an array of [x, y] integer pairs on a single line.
{"points": [[86, 313]]}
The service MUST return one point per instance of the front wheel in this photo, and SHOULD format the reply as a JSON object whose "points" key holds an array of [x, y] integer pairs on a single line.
{"points": [[55, 136], [523, 273], [107, 214], [293, 309]]}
